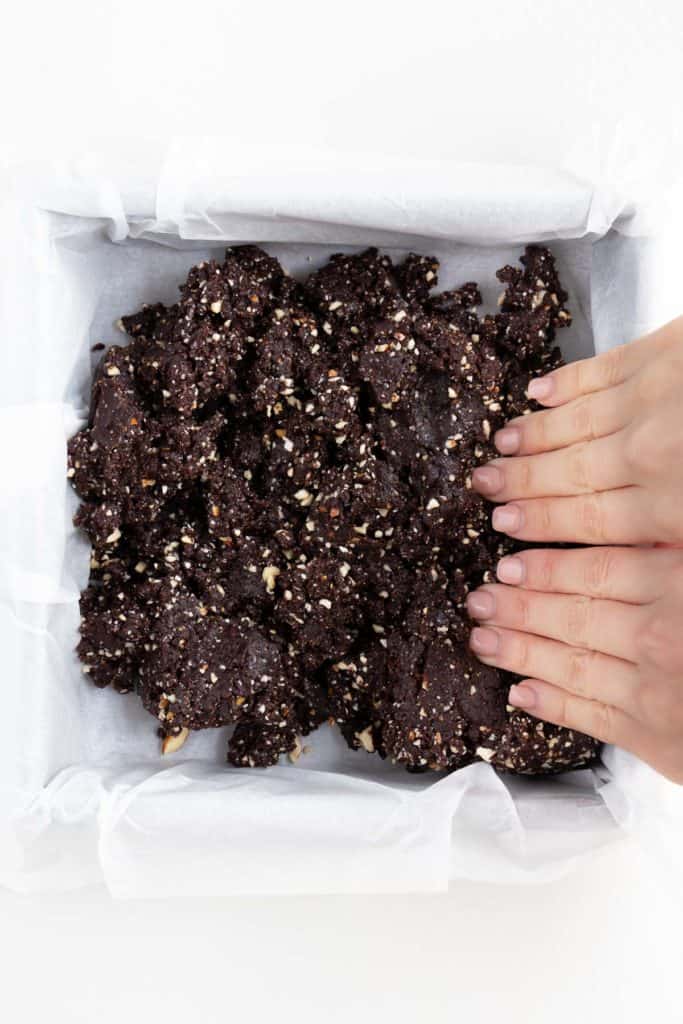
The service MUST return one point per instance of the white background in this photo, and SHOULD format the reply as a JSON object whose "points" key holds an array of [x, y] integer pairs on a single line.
{"points": [[595, 87]]}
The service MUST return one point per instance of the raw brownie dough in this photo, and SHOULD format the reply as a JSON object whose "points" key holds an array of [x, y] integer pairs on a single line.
{"points": [[275, 480]]}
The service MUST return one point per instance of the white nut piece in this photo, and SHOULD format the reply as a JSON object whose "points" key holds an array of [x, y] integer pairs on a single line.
{"points": [[216, 307], [174, 742], [113, 536], [485, 753], [304, 497], [365, 739], [295, 752], [269, 575]]}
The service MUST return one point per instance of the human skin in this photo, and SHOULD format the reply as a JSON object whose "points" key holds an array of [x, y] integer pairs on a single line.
{"points": [[597, 632]]}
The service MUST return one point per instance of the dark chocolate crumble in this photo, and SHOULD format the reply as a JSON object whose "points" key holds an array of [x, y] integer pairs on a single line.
{"points": [[275, 480]]}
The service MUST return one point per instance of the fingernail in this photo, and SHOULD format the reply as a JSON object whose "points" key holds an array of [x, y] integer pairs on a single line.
{"points": [[507, 518], [540, 387], [487, 479], [522, 696], [484, 641], [507, 440], [481, 604], [510, 570]]}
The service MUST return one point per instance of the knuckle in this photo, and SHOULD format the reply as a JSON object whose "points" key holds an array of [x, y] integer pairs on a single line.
{"points": [[523, 477], [578, 468], [581, 376], [602, 723], [579, 671], [649, 639], [582, 418], [522, 609], [543, 569], [612, 368], [537, 432], [520, 653], [561, 715], [578, 617], [598, 570], [591, 517], [544, 518]]}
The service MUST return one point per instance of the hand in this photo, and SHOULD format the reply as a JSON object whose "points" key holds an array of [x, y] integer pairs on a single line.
{"points": [[604, 465], [598, 632]]}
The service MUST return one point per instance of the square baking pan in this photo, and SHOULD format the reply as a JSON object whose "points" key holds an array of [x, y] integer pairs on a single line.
{"points": [[84, 795]]}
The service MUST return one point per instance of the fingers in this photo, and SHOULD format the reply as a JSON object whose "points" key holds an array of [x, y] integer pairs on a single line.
{"points": [[606, 626], [603, 721], [631, 575], [580, 469], [596, 374], [583, 419], [583, 673], [609, 517]]}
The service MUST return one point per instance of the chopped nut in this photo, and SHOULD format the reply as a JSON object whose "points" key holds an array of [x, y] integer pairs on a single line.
{"points": [[171, 744], [365, 739], [295, 752], [269, 575], [304, 497]]}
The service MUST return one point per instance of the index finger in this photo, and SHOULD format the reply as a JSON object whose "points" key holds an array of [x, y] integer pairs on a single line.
{"points": [[583, 419], [595, 374]]}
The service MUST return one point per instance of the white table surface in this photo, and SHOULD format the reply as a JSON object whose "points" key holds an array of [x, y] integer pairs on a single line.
{"points": [[555, 83], [603, 944]]}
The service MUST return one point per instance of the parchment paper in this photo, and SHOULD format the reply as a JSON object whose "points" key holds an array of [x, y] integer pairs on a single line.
{"points": [[84, 793]]}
